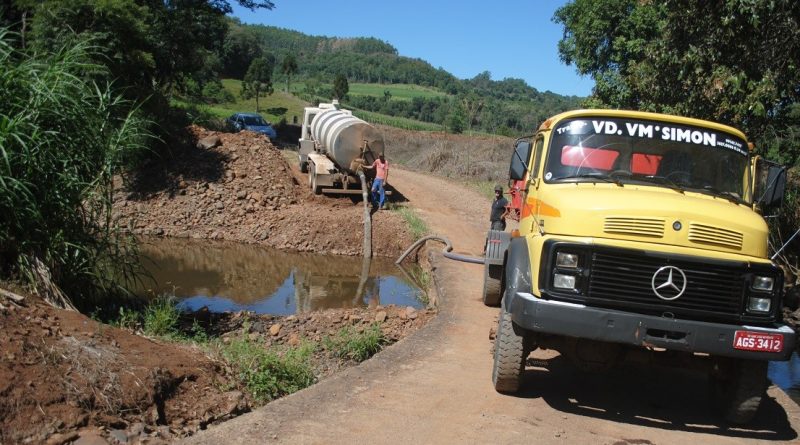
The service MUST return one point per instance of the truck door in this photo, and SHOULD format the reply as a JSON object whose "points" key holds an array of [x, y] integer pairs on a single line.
{"points": [[531, 189]]}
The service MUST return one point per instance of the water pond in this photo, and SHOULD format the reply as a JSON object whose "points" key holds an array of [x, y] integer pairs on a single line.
{"points": [[234, 277]]}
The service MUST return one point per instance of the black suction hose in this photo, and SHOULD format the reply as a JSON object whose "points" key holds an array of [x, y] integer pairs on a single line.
{"points": [[446, 251]]}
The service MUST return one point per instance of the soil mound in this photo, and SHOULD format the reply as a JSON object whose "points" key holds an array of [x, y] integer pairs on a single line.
{"points": [[65, 376], [243, 189]]}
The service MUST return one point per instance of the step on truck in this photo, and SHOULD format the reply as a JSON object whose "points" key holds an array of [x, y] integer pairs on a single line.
{"points": [[641, 238], [333, 145]]}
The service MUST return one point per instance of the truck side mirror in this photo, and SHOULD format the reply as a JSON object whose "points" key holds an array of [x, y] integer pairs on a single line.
{"points": [[770, 184], [519, 160]]}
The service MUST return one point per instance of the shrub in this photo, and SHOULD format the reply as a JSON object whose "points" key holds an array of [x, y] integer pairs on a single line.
{"points": [[161, 317], [62, 139]]}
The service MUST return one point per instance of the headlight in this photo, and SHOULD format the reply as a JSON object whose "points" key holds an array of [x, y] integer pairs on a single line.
{"points": [[563, 281], [758, 304], [564, 259], [764, 284]]}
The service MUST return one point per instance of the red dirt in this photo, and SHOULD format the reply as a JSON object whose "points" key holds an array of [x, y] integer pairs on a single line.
{"points": [[64, 374], [244, 190]]}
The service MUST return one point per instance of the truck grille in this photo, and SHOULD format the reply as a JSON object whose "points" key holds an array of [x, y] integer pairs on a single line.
{"points": [[653, 227], [625, 280], [716, 236]]}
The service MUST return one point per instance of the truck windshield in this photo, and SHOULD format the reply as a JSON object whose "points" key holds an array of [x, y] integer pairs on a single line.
{"points": [[664, 154]]}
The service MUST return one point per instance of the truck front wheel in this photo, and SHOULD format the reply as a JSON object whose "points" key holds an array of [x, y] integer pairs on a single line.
{"points": [[737, 388], [510, 352]]}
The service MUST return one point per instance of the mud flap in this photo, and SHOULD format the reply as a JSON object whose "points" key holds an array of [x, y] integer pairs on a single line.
{"points": [[497, 243]]}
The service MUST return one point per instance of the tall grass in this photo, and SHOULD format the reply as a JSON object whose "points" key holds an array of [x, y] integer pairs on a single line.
{"points": [[61, 141]]}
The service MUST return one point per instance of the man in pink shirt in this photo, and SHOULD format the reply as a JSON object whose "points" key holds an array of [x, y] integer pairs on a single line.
{"points": [[381, 167]]}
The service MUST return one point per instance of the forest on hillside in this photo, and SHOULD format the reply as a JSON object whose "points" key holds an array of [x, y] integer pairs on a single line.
{"points": [[508, 107]]}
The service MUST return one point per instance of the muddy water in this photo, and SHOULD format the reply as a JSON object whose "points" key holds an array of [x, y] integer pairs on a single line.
{"points": [[232, 277]]}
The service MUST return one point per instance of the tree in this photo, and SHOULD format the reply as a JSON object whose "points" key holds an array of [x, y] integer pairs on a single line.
{"points": [[240, 47], [665, 56], [258, 79], [289, 67], [340, 87]]}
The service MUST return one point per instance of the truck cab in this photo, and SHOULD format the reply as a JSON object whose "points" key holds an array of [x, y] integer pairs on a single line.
{"points": [[640, 237]]}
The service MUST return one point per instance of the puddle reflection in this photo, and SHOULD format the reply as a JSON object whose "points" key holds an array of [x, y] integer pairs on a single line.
{"points": [[231, 277]]}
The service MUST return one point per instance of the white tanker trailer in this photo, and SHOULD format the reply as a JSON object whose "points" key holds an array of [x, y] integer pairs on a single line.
{"points": [[333, 144]]}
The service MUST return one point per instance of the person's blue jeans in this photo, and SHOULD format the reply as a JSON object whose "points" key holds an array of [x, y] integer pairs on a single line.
{"points": [[377, 184]]}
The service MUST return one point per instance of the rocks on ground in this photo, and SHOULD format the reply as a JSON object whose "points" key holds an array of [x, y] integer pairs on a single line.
{"points": [[240, 187]]}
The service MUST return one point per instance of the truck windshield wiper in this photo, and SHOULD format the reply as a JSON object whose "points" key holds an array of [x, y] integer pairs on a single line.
{"points": [[663, 180], [599, 176], [730, 196]]}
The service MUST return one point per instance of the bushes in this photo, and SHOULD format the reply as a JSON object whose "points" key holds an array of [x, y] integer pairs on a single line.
{"points": [[61, 141]]}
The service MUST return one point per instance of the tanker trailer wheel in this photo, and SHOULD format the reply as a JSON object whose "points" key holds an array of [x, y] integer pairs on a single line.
{"points": [[511, 349], [317, 190], [492, 292], [737, 387]]}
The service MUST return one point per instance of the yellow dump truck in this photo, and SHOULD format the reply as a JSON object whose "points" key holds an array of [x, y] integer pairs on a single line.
{"points": [[641, 237]]}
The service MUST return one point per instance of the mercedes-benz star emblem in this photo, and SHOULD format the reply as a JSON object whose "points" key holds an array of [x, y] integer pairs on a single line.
{"points": [[672, 283]]}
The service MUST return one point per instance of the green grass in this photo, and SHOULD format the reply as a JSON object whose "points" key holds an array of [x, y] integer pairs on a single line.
{"points": [[269, 373], [397, 122], [161, 317], [348, 343], [415, 224], [423, 279], [398, 91], [271, 107]]}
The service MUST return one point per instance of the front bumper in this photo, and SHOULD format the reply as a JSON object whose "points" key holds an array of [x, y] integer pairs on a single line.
{"points": [[580, 321]]}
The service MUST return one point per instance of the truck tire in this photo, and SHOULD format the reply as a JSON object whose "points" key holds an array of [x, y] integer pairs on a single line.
{"points": [[492, 292], [739, 388], [510, 353], [304, 167]]}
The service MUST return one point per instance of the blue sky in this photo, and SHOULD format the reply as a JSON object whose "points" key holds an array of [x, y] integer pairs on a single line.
{"points": [[512, 38]]}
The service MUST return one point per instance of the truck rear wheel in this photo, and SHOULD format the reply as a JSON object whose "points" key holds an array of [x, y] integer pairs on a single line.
{"points": [[510, 353], [491, 284], [737, 389], [317, 190]]}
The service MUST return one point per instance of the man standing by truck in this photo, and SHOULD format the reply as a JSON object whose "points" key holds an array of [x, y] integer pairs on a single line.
{"points": [[499, 205], [381, 167]]}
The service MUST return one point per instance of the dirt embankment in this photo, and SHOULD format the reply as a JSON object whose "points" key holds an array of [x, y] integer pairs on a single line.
{"points": [[65, 377], [244, 190]]}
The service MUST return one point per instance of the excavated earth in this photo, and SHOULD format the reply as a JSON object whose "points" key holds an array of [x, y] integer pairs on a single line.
{"points": [[66, 378], [244, 190]]}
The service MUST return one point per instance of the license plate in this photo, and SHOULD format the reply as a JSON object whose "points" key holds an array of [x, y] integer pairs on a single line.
{"points": [[758, 341]]}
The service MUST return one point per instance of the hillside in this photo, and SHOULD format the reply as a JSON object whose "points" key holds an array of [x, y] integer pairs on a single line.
{"points": [[374, 69]]}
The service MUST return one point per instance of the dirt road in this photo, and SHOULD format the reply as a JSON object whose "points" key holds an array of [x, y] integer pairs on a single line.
{"points": [[435, 386]]}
